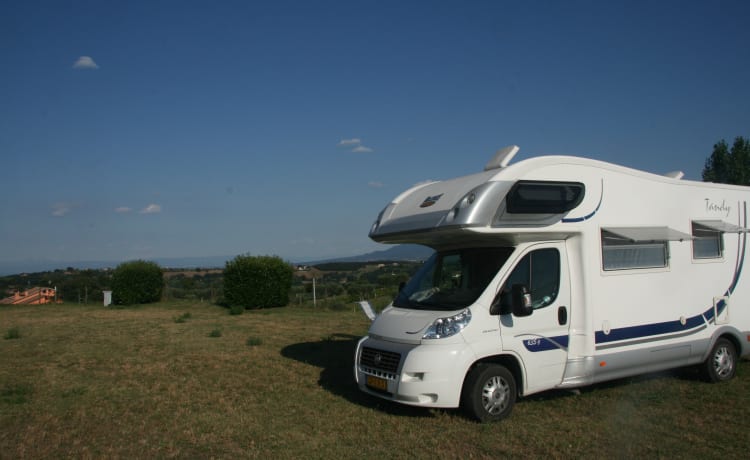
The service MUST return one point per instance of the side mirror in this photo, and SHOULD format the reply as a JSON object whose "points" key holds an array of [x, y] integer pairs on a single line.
{"points": [[496, 306], [501, 304], [401, 286], [521, 300]]}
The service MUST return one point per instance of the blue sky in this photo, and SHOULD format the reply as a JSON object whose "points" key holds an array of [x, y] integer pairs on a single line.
{"points": [[155, 129]]}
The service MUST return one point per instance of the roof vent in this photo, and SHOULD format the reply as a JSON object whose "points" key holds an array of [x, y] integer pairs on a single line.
{"points": [[502, 157], [675, 174]]}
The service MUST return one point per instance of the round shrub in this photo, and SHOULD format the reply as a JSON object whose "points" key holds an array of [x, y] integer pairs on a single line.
{"points": [[257, 282], [137, 282]]}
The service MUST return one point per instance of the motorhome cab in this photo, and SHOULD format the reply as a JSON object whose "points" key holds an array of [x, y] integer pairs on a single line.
{"points": [[557, 272]]}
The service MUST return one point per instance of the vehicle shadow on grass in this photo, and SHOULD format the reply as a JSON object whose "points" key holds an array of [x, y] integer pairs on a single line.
{"points": [[335, 356]]}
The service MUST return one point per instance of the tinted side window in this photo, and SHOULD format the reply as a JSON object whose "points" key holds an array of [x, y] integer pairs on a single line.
{"points": [[539, 271], [536, 197]]}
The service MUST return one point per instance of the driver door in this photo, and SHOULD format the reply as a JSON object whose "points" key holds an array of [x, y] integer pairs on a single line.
{"points": [[538, 336]]}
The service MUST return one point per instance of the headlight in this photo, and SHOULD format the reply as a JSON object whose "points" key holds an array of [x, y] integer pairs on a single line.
{"points": [[446, 327]]}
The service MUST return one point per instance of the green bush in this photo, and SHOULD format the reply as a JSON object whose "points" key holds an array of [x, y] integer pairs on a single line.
{"points": [[215, 333], [137, 282], [257, 282]]}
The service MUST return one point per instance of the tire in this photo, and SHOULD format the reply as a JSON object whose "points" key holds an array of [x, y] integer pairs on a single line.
{"points": [[489, 393], [721, 364]]}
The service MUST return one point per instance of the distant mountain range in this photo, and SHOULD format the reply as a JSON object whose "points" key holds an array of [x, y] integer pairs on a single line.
{"points": [[411, 252], [399, 252]]}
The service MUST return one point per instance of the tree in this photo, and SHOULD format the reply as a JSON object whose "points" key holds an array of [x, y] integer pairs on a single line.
{"points": [[257, 282], [137, 282], [729, 166]]}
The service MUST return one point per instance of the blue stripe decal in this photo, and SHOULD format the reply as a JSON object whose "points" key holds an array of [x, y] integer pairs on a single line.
{"points": [[649, 330], [742, 256], [742, 241], [540, 343], [571, 220]]}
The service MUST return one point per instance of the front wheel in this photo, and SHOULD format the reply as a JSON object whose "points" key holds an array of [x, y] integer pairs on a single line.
{"points": [[489, 393], [721, 364]]}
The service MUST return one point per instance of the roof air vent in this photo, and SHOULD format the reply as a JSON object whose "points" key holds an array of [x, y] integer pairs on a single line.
{"points": [[502, 157]]}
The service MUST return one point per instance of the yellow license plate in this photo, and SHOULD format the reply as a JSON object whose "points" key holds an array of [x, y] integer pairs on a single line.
{"points": [[376, 383]]}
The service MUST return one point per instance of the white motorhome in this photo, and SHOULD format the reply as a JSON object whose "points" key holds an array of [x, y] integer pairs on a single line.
{"points": [[557, 272]]}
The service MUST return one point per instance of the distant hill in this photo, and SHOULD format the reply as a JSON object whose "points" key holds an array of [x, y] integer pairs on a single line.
{"points": [[402, 252], [410, 252], [36, 266]]}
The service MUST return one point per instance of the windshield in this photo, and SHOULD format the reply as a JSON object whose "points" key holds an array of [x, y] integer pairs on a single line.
{"points": [[451, 280]]}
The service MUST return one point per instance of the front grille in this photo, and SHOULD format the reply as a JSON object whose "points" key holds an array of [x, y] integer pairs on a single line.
{"points": [[379, 359]]}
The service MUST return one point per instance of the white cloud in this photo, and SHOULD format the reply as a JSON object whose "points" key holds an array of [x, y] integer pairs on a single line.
{"points": [[61, 209], [350, 142], [355, 144], [123, 210], [85, 63], [151, 209], [375, 184]]}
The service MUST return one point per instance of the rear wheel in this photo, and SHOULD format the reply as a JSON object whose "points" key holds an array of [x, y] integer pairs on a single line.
{"points": [[721, 363], [489, 393]]}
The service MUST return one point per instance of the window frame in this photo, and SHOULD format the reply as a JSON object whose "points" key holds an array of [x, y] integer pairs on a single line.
{"points": [[611, 242], [713, 235]]}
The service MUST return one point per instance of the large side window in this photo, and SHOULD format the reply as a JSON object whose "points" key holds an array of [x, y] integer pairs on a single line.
{"points": [[707, 242], [539, 271], [538, 197], [620, 253]]}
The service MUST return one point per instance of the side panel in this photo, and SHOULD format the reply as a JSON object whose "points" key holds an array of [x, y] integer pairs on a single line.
{"points": [[651, 319]]}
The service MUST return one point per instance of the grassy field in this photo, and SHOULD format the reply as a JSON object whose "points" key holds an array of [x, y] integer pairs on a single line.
{"points": [[189, 380]]}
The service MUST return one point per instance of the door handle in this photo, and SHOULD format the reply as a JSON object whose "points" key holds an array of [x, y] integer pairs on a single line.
{"points": [[562, 316]]}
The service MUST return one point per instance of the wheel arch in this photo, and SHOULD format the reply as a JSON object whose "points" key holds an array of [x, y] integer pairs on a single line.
{"points": [[510, 362], [735, 338]]}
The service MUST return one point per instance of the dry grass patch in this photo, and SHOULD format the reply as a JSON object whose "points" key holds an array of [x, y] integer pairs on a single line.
{"points": [[86, 381]]}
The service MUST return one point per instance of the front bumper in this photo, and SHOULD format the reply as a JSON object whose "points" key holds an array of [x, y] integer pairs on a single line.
{"points": [[428, 375]]}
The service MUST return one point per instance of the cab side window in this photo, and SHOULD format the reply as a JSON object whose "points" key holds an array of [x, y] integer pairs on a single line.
{"points": [[539, 271]]}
